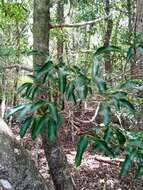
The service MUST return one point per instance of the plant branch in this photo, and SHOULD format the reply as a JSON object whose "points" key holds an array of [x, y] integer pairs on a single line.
{"points": [[16, 67], [76, 25]]}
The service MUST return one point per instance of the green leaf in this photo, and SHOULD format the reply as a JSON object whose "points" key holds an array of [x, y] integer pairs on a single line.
{"points": [[37, 129], [62, 80], [101, 84], [127, 104], [70, 90], [25, 126], [139, 172], [53, 110], [130, 54], [38, 105], [24, 111], [130, 84], [52, 130], [106, 113], [15, 110], [45, 68], [62, 102], [110, 48], [34, 92], [95, 67], [104, 147], [125, 166], [108, 134], [60, 121], [24, 86], [81, 87], [37, 53], [120, 136], [119, 94], [81, 147], [116, 103], [130, 157]]}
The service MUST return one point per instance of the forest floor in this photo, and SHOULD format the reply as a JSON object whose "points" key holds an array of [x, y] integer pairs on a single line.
{"points": [[95, 173]]}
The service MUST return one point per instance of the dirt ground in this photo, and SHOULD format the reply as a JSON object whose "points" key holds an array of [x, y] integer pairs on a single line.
{"points": [[95, 173]]}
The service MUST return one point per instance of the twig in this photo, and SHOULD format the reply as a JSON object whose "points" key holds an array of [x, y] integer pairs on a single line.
{"points": [[92, 119]]}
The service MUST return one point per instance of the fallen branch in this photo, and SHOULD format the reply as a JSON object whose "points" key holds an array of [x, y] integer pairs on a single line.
{"points": [[76, 25], [16, 67], [107, 160]]}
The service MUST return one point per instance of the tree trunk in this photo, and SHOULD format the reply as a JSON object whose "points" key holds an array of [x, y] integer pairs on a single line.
{"points": [[55, 157], [137, 65], [108, 63], [60, 19], [17, 170]]}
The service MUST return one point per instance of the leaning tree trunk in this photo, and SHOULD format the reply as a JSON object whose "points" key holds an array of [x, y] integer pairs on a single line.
{"points": [[17, 170], [56, 159]]}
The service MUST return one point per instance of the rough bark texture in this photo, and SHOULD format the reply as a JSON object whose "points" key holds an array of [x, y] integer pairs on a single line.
{"points": [[17, 170], [108, 63], [137, 65], [41, 22], [55, 157], [60, 19], [58, 165]]}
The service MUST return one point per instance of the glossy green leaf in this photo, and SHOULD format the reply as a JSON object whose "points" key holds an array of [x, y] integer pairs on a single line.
{"points": [[38, 105], [130, 157], [81, 147], [130, 54], [116, 103], [39, 126], [101, 84], [106, 113], [14, 110], [37, 53], [127, 104], [120, 136], [95, 67], [26, 125], [52, 130], [130, 84], [110, 48], [125, 166], [25, 111], [62, 80], [60, 120], [139, 172], [119, 94], [53, 110], [24, 86], [70, 90], [101, 144], [45, 68], [108, 134], [81, 87]]}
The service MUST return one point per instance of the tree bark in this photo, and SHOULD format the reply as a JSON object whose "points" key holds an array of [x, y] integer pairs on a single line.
{"points": [[108, 62], [17, 170], [60, 19], [56, 159], [137, 65]]}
